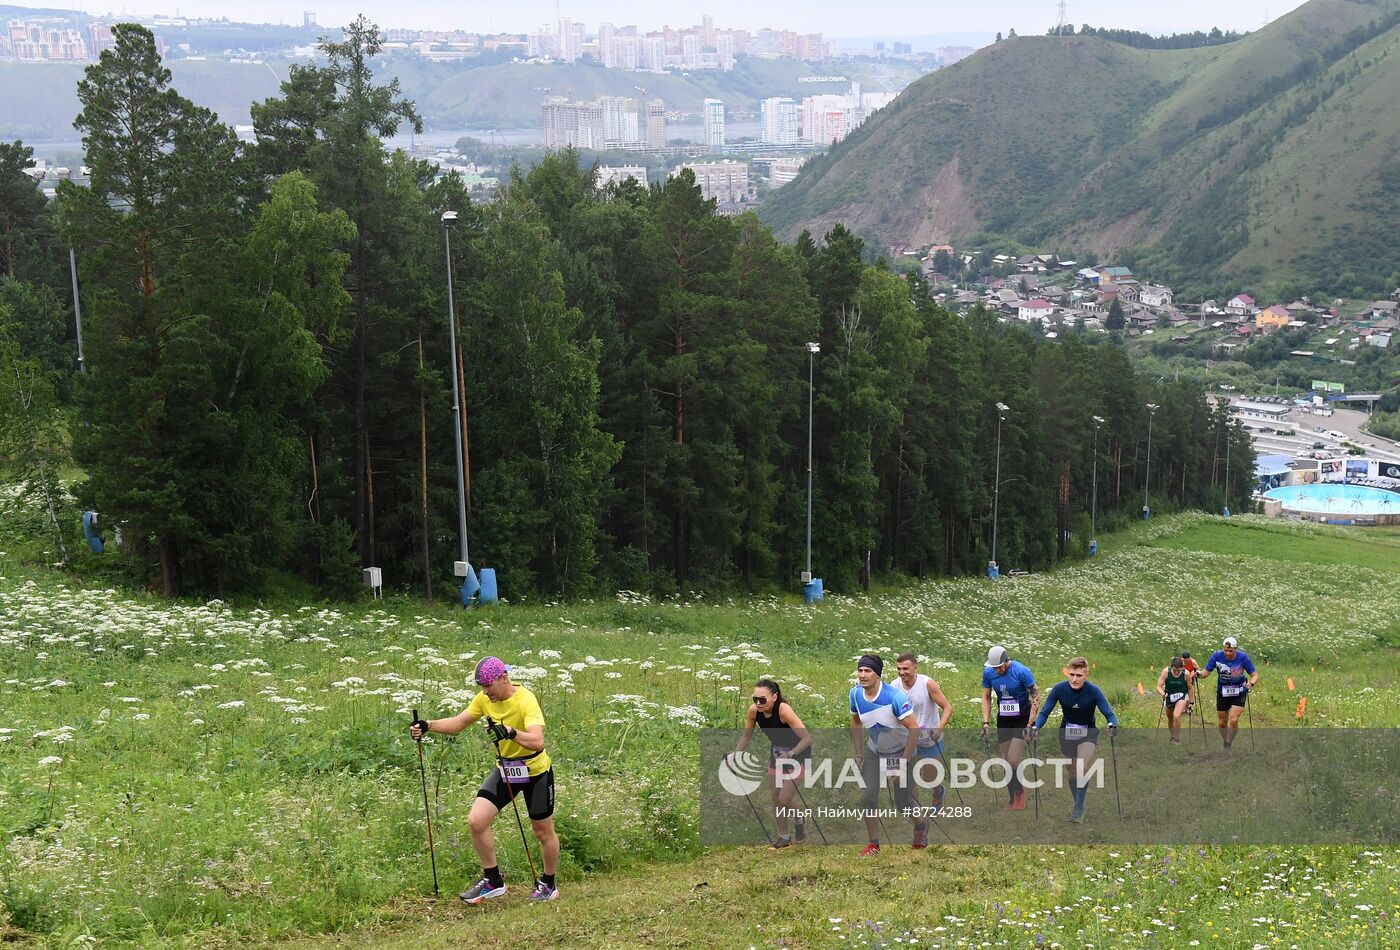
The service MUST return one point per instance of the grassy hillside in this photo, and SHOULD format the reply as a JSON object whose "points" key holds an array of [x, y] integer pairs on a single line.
{"points": [[1263, 159], [509, 95], [186, 774], [39, 101]]}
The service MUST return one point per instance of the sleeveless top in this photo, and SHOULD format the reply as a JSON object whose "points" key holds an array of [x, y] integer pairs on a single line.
{"points": [[781, 736], [1176, 685], [926, 712]]}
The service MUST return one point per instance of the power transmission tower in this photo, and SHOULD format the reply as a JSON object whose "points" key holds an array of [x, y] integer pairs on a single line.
{"points": [[1063, 21]]}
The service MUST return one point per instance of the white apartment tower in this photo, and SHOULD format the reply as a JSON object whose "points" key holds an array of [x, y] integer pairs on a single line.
{"points": [[779, 121], [714, 123]]}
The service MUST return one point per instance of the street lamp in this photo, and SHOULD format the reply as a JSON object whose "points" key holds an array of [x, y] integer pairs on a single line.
{"points": [[1152, 408], [462, 568], [811, 588], [992, 572], [1094, 498], [77, 307], [1225, 511]]}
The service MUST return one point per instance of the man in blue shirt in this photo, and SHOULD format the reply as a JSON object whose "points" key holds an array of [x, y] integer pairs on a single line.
{"points": [[1016, 697], [883, 717], [1237, 677], [1079, 700]]}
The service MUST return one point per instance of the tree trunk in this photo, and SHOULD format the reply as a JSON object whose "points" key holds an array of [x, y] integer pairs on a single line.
{"points": [[1062, 512], [423, 470], [53, 514], [169, 553], [314, 505]]}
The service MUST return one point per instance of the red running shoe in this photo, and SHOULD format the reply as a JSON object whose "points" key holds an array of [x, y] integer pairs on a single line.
{"points": [[870, 850]]}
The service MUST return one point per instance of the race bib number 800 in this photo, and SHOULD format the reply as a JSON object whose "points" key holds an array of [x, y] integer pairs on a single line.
{"points": [[516, 772]]}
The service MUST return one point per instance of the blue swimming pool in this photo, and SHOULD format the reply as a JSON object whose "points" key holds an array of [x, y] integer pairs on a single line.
{"points": [[1334, 499]]}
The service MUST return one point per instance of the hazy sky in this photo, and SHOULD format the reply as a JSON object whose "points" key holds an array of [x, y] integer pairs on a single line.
{"points": [[843, 18]]}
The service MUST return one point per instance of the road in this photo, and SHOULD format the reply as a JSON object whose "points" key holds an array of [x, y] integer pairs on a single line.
{"points": [[1306, 434]]}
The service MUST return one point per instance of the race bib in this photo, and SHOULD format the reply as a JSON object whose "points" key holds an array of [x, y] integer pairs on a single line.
{"points": [[516, 771], [1176, 697], [1231, 690], [1009, 707], [1076, 732]]}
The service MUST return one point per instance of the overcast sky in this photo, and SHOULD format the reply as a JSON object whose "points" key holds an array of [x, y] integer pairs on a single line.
{"points": [[843, 18]]}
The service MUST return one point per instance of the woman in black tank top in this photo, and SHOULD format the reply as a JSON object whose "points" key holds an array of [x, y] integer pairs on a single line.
{"points": [[790, 748]]}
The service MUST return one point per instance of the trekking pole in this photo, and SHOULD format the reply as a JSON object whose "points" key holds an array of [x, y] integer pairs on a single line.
{"points": [[987, 752], [427, 810], [1113, 748], [1250, 713], [437, 777], [948, 778], [761, 825], [500, 765], [798, 786], [1035, 773], [1200, 710]]}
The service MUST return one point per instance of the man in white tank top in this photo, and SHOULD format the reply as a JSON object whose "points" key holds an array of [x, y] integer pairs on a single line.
{"points": [[932, 711]]}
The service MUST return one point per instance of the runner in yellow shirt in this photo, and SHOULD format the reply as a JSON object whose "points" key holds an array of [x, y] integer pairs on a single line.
{"points": [[516, 725]]}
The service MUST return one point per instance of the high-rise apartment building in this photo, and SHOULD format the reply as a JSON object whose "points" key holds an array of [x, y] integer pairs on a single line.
{"points": [[656, 124], [714, 123], [726, 182], [779, 121]]}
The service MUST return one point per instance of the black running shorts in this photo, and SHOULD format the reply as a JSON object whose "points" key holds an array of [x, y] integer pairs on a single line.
{"points": [[538, 793], [1012, 727], [1223, 703]]}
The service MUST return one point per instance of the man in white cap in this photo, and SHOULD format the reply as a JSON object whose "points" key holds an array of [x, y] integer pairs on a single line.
{"points": [[1237, 677], [1017, 698]]}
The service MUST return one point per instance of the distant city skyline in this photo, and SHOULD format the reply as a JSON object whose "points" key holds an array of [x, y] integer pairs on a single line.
{"points": [[832, 18]]}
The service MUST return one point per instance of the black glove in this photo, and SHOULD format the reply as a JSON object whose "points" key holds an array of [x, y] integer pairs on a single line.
{"points": [[422, 725], [498, 732]]}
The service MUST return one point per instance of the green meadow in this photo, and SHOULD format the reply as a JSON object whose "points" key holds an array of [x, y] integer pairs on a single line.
{"points": [[211, 774]]}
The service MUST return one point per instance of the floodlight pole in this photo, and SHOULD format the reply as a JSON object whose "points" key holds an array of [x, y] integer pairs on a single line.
{"points": [[448, 217], [77, 307], [992, 571], [1147, 481], [1094, 497], [812, 350]]}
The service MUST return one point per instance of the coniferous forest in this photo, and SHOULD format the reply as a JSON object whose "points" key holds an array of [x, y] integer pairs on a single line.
{"points": [[266, 382]]}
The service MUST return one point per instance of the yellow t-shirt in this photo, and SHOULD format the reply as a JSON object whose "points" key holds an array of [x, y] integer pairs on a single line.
{"points": [[520, 711]]}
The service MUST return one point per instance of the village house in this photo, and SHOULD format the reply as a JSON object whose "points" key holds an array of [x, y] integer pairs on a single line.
{"points": [[1241, 305], [1036, 310], [1151, 295], [1271, 318], [1119, 275]]}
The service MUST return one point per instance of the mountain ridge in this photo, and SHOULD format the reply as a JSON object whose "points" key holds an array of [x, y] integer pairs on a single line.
{"points": [[1191, 162]]}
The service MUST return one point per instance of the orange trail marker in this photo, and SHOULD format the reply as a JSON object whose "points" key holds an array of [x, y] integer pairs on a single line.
{"points": [[1290, 684], [1141, 691], [1302, 706]]}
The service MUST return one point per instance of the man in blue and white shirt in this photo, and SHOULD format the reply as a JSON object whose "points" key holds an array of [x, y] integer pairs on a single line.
{"points": [[883, 728], [1237, 677]]}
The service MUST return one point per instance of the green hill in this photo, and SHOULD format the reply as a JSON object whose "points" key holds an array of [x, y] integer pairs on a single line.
{"points": [[39, 100], [1271, 160], [509, 94]]}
